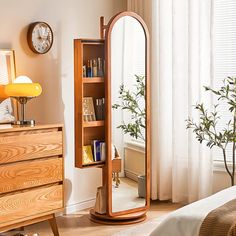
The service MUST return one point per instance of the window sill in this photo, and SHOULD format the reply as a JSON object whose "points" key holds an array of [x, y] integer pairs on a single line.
{"points": [[137, 146], [219, 166]]}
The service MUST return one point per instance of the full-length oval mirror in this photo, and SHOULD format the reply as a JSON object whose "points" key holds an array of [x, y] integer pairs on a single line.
{"points": [[127, 47]]}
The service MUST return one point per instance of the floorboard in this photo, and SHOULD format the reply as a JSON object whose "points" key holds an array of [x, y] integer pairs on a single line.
{"points": [[78, 224]]}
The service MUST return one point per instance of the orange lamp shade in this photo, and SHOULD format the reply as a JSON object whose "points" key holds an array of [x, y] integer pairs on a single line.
{"points": [[23, 90], [3, 95]]}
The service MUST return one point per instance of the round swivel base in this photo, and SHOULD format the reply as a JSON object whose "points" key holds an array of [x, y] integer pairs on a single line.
{"points": [[127, 219]]}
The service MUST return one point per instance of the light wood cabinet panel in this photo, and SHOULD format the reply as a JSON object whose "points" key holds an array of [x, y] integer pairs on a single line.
{"points": [[30, 174], [30, 146], [33, 202]]}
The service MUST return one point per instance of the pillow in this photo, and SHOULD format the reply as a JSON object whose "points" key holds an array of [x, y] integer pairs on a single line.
{"points": [[6, 111]]}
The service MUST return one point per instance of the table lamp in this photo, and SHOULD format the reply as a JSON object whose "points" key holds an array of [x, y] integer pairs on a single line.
{"points": [[22, 89]]}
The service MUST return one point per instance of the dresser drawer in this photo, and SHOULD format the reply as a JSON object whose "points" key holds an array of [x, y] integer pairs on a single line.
{"points": [[30, 203], [19, 147], [29, 174]]}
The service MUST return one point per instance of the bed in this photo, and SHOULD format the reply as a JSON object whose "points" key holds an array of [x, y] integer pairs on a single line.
{"points": [[210, 216]]}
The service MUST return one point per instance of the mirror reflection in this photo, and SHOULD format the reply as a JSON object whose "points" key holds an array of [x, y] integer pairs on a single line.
{"points": [[128, 114]]}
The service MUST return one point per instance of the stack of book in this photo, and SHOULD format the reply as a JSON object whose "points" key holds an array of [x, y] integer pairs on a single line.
{"points": [[100, 108], [94, 152], [91, 114], [95, 67], [88, 109]]}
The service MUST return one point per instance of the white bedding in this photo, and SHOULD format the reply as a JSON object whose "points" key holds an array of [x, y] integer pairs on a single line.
{"points": [[185, 221]]}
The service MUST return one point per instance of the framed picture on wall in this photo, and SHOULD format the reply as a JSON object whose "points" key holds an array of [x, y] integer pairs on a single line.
{"points": [[8, 107]]}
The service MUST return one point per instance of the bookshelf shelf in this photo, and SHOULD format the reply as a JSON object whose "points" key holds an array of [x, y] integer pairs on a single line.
{"points": [[90, 80], [96, 123], [87, 87], [96, 163]]}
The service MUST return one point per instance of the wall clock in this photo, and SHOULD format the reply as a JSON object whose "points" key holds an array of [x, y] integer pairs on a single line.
{"points": [[40, 37]]}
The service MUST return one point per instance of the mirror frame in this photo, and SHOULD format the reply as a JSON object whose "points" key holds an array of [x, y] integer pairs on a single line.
{"points": [[108, 124]]}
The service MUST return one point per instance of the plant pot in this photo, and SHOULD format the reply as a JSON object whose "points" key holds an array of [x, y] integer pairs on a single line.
{"points": [[142, 186]]}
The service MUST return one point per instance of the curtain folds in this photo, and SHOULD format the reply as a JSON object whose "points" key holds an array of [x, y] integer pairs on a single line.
{"points": [[181, 66]]}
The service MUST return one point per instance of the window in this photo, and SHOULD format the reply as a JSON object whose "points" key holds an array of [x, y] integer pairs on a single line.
{"points": [[224, 54]]}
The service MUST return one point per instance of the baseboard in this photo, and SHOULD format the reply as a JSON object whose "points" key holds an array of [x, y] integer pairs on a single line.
{"points": [[79, 206], [131, 175]]}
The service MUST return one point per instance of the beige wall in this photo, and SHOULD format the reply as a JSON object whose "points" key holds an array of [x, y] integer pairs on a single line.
{"points": [[69, 19], [134, 162], [221, 179]]}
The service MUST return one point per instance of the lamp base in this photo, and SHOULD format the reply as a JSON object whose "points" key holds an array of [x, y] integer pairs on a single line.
{"points": [[24, 122]]}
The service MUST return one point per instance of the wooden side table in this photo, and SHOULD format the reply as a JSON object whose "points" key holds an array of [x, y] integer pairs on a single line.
{"points": [[116, 169]]}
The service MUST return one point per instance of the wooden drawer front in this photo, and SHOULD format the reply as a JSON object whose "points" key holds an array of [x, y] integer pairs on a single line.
{"points": [[30, 203], [30, 146], [28, 174]]}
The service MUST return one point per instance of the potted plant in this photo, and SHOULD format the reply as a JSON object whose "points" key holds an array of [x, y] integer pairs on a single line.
{"points": [[130, 102], [207, 128], [134, 103]]}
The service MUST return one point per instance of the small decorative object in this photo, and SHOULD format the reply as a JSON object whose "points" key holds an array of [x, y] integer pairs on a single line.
{"points": [[40, 37], [100, 204], [23, 90], [208, 129], [6, 112], [130, 101], [88, 109]]}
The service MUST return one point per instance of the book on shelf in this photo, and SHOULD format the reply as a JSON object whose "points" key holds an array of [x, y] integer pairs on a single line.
{"points": [[88, 109], [98, 147], [87, 155], [100, 108], [96, 150], [94, 68], [103, 151]]}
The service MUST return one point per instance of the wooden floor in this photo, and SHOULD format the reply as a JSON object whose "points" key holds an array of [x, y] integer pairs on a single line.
{"points": [[78, 224]]}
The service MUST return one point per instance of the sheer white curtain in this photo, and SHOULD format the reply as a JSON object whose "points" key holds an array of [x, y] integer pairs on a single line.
{"points": [[181, 65]]}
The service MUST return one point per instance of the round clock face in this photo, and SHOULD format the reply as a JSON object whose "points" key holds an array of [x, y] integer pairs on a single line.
{"points": [[40, 37]]}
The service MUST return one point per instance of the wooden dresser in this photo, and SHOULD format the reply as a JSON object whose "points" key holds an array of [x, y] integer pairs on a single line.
{"points": [[31, 175]]}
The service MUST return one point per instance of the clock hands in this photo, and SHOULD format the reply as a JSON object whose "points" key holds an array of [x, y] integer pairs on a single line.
{"points": [[43, 32]]}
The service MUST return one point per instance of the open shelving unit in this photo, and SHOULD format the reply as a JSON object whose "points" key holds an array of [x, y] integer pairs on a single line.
{"points": [[86, 131]]}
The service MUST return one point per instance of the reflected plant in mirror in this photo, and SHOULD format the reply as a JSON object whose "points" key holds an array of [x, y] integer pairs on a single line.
{"points": [[134, 103]]}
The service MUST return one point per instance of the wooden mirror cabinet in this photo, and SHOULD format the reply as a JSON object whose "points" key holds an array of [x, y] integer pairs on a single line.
{"points": [[112, 116]]}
